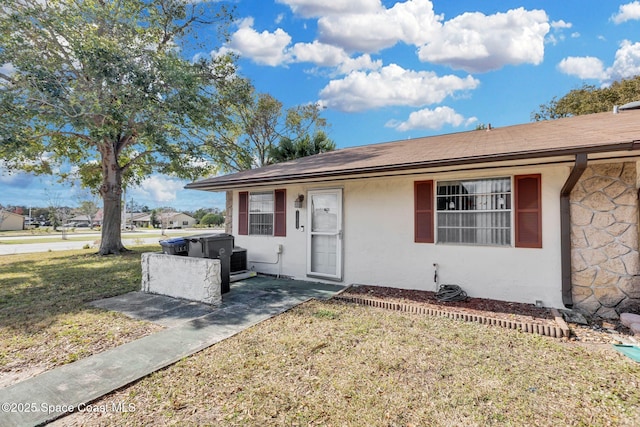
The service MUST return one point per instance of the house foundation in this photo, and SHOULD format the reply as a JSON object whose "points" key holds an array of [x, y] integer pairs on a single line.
{"points": [[604, 241]]}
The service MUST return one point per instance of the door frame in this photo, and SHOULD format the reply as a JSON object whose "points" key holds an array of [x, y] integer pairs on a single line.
{"points": [[338, 233]]}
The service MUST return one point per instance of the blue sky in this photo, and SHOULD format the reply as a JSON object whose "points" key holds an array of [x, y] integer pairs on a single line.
{"points": [[387, 70]]}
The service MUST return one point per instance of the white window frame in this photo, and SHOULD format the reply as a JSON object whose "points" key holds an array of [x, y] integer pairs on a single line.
{"points": [[258, 211], [476, 212]]}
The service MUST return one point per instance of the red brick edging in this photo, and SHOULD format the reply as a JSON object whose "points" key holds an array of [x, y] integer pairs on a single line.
{"points": [[560, 330]]}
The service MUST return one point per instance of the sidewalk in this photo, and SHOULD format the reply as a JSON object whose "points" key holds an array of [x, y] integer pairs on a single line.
{"points": [[52, 394]]}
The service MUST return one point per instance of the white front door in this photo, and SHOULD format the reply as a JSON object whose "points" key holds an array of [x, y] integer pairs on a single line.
{"points": [[324, 241]]}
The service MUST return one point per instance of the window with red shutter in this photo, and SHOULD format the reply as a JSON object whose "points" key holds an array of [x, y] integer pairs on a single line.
{"points": [[528, 211], [280, 213], [243, 213], [423, 211]]}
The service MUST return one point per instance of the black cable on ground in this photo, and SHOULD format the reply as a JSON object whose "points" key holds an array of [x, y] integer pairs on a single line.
{"points": [[448, 293]]}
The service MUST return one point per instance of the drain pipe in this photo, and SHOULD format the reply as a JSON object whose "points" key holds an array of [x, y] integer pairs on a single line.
{"points": [[565, 227]]}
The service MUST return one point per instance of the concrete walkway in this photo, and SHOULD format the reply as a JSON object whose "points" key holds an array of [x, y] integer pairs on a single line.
{"points": [[52, 394]]}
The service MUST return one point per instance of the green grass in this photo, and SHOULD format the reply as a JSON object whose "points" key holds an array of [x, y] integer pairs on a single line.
{"points": [[44, 317], [330, 363]]}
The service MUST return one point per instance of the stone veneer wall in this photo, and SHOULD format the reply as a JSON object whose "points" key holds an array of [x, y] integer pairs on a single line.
{"points": [[604, 241]]}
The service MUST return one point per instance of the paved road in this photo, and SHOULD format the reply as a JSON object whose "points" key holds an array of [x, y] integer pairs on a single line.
{"points": [[129, 239], [26, 248]]}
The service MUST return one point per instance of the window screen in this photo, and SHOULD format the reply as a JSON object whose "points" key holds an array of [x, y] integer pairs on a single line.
{"points": [[474, 212], [261, 213]]}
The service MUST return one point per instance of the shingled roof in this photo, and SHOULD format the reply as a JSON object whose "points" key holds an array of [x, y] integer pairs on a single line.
{"points": [[593, 133]]}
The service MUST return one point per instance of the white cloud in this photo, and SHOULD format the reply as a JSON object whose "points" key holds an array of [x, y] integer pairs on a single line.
{"points": [[431, 119], [586, 67], [413, 22], [274, 49], [160, 188], [575, 35], [326, 55], [362, 62], [317, 8], [321, 54], [553, 39], [15, 179], [264, 48], [475, 42], [557, 28], [7, 69], [625, 65], [627, 12], [391, 85], [561, 24], [627, 61]]}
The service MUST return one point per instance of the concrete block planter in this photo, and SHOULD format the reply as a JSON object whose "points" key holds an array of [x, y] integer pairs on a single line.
{"points": [[190, 278]]}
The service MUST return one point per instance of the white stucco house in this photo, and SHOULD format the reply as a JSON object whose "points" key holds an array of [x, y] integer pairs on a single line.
{"points": [[544, 211], [166, 220]]}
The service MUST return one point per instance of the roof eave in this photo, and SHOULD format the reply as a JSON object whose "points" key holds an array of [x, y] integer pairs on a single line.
{"points": [[524, 155]]}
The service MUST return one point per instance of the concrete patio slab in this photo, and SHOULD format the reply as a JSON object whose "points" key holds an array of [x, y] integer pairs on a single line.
{"points": [[61, 390], [160, 309]]}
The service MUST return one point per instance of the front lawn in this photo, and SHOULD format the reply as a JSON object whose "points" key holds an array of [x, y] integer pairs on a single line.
{"points": [[321, 363], [44, 317], [335, 364]]}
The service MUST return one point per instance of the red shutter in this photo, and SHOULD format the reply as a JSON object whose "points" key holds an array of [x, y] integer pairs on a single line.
{"points": [[243, 213], [280, 213], [528, 211], [423, 208]]}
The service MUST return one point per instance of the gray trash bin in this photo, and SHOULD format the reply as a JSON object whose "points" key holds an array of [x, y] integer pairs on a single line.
{"points": [[219, 246]]}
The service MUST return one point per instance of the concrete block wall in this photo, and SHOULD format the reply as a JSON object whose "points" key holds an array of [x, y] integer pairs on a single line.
{"points": [[190, 278], [604, 238]]}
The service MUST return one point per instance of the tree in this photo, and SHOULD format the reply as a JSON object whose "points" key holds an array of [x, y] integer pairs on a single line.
{"points": [[289, 149], [87, 205], [89, 209], [153, 219], [58, 213], [100, 84], [212, 219], [589, 99], [134, 206], [165, 217], [198, 214], [257, 123]]}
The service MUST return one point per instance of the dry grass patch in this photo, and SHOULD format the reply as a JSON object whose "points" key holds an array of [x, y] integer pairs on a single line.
{"points": [[44, 317], [335, 364]]}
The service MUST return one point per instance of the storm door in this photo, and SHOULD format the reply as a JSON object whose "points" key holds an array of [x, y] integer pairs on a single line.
{"points": [[324, 240]]}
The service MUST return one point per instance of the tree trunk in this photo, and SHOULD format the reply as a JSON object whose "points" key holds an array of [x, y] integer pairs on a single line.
{"points": [[111, 192]]}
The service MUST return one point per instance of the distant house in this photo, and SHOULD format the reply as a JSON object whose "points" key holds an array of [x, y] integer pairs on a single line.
{"points": [[84, 219], [541, 212], [139, 219], [176, 220], [10, 221], [166, 220]]}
